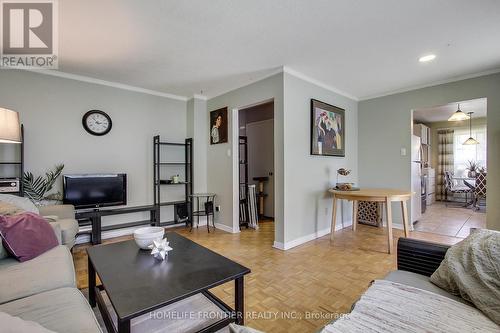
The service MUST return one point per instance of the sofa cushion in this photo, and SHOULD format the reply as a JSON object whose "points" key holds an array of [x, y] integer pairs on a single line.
{"points": [[51, 270], [421, 282], [471, 269], [69, 229], [23, 203], [7, 208], [27, 235], [11, 324], [60, 310]]}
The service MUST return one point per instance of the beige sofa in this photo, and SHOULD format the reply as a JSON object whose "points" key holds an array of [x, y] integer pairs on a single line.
{"points": [[62, 217], [43, 290]]}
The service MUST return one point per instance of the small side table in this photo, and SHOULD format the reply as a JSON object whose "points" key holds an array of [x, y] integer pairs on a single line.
{"points": [[208, 200]]}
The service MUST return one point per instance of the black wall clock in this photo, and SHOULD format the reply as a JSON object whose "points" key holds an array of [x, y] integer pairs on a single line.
{"points": [[97, 122]]}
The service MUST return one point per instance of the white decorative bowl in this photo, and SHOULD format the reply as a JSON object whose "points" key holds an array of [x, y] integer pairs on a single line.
{"points": [[145, 236]]}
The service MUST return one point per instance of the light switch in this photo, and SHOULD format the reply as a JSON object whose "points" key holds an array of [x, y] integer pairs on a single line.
{"points": [[403, 151], [228, 153]]}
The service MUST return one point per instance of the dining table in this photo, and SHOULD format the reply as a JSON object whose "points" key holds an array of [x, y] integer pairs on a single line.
{"points": [[385, 196]]}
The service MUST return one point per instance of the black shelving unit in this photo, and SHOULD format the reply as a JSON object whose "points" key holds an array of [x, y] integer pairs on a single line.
{"points": [[243, 170], [182, 208], [18, 165]]}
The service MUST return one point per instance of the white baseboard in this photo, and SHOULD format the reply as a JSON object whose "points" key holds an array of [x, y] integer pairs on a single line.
{"points": [[225, 228], [301, 240], [279, 246]]}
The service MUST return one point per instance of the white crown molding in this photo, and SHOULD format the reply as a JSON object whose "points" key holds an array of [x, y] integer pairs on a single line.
{"points": [[290, 71], [268, 75], [433, 84], [201, 97], [106, 83], [318, 83]]}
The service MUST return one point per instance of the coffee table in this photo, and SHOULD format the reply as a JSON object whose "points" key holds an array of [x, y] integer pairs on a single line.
{"points": [[136, 283]]}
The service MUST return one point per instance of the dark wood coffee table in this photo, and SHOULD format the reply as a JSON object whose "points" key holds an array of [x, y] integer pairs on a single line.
{"points": [[136, 283]]}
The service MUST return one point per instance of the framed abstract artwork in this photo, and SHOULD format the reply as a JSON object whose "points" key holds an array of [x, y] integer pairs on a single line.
{"points": [[327, 129], [218, 126]]}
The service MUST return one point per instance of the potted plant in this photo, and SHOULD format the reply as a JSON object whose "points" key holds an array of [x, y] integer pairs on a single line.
{"points": [[35, 188], [472, 168]]}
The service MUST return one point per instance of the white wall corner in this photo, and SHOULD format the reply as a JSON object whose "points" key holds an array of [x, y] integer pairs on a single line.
{"points": [[318, 83], [202, 97], [279, 246]]}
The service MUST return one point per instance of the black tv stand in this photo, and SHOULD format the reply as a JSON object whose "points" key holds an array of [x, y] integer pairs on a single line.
{"points": [[95, 215]]}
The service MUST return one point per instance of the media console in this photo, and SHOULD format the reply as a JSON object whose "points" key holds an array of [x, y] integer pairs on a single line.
{"points": [[94, 216]]}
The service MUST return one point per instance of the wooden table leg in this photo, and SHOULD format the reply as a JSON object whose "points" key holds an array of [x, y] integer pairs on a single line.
{"points": [[354, 214], [334, 217], [405, 218], [388, 210]]}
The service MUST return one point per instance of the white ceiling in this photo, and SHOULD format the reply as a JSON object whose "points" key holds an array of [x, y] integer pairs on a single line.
{"points": [[443, 112], [363, 48]]}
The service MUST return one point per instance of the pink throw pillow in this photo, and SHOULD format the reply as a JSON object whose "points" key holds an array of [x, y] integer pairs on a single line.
{"points": [[27, 235]]}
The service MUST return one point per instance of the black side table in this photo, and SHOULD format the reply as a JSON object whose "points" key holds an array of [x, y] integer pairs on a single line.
{"points": [[208, 200]]}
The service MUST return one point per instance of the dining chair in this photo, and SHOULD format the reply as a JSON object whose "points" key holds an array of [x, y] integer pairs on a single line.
{"points": [[452, 187], [480, 189]]}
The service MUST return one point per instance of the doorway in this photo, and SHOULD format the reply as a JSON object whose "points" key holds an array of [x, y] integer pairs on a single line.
{"points": [[256, 162], [448, 168]]}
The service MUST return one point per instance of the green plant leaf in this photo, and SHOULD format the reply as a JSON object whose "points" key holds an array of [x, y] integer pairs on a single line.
{"points": [[36, 188]]}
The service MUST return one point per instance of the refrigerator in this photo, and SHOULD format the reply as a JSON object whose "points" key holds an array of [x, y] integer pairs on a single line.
{"points": [[416, 179]]}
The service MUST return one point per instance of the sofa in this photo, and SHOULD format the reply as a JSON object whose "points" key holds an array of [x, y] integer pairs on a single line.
{"points": [[43, 290], [406, 299]]}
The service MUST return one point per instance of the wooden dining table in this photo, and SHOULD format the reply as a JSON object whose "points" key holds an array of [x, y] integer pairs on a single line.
{"points": [[385, 196]]}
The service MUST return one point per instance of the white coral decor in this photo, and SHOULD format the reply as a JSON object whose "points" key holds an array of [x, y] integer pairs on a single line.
{"points": [[159, 249]]}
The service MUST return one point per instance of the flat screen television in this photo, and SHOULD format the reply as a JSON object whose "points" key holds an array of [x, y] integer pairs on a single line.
{"points": [[95, 190]]}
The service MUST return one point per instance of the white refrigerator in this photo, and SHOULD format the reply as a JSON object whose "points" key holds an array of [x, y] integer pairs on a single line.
{"points": [[416, 179]]}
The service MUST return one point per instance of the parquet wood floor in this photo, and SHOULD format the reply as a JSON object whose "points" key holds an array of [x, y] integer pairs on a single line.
{"points": [[297, 290]]}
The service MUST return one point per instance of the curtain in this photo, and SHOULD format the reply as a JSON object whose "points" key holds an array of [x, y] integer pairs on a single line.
{"points": [[445, 160]]}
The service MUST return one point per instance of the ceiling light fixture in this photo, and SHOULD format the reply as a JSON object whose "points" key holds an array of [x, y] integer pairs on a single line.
{"points": [[470, 140], [427, 58], [459, 115]]}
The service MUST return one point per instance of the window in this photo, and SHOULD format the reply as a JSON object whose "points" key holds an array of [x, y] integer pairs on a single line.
{"points": [[464, 153]]}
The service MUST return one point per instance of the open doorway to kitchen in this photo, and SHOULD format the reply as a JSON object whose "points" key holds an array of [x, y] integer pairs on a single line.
{"points": [[256, 164], [448, 168]]}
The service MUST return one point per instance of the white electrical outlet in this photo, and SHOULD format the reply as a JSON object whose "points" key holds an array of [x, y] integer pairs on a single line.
{"points": [[403, 151]]}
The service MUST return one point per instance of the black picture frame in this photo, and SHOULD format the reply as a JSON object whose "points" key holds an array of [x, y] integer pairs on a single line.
{"points": [[327, 129], [218, 132]]}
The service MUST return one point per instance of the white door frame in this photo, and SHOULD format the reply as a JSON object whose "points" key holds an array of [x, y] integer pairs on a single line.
{"points": [[235, 140]]}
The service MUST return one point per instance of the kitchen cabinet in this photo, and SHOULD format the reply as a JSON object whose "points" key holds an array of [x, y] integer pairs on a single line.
{"points": [[424, 132]]}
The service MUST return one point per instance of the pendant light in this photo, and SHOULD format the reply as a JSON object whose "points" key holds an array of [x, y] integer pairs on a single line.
{"points": [[459, 115], [470, 140]]}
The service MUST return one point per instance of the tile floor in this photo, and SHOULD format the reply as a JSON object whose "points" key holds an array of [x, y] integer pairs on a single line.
{"points": [[450, 221]]}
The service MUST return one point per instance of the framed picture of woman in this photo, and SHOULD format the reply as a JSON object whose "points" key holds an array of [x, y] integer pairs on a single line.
{"points": [[218, 126], [327, 129]]}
